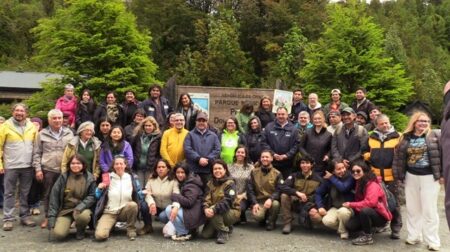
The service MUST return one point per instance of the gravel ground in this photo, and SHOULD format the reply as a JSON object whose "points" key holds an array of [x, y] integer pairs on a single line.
{"points": [[249, 237]]}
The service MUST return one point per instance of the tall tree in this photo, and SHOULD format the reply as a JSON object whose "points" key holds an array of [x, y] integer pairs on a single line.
{"points": [[226, 64], [172, 24], [350, 53], [97, 39], [291, 57]]}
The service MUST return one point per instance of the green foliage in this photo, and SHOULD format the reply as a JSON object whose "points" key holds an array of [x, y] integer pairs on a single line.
{"points": [[291, 57], [172, 24], [51, 90], [16, 19], [226, 64], [350, 53], [97, 39], [189, 67]]}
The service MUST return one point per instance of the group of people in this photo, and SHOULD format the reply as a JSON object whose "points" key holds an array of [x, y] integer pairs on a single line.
{"points": [[100, 165]]}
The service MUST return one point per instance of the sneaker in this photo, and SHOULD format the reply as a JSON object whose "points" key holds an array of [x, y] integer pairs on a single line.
{"points": [[8, 226], [364, 239], [411, 242], [131, 235], [344, 236], [433, 248], [386, 228], [222, 237], [120, 225], [185, 237], [395, 235], [28, 222], [287, 228]]}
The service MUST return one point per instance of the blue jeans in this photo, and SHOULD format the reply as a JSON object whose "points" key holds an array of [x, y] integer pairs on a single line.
{"points": [[178, 223]]}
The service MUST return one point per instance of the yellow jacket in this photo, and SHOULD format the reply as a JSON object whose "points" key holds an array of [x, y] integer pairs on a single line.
{"points": [[172, 145]]}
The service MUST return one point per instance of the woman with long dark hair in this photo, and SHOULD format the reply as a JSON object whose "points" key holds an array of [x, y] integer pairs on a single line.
{"points": [[115, 145], [185, 212], [102, 128], [240, 172], [86, 108], [264, 112], [111, 110], [370, 206], [189, 110], [159, 189], [71, 198], [221, 206]]}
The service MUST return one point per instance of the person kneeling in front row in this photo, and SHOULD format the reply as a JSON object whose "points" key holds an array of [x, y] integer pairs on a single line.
{"points": [[263, 191], [298, 194], [221, 206], [118, 201], [71, 198]]}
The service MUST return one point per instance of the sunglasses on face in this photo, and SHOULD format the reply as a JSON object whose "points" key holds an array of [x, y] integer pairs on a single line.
{"points": [[356, 171]]}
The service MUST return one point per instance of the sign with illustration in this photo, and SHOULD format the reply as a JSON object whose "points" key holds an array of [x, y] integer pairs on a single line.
{"points": [[282, 98]]}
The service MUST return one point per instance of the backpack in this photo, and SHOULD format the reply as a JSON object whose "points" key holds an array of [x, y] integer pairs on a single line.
{"points": [[391, 202]]}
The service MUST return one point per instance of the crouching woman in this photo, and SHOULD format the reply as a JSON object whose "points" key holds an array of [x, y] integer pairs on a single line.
{"points": [[118, 200], [71, 198], [370, 205], [186, 210], [221, 206]]}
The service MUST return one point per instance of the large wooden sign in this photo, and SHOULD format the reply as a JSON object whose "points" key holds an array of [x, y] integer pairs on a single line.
{"points": [[225, 102]]}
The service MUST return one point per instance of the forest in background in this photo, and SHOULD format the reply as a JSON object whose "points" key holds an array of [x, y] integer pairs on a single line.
{"points": [[398, 50]]}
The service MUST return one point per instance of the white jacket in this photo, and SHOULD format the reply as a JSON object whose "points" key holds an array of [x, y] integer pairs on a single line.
{"points": [[120, 191]]}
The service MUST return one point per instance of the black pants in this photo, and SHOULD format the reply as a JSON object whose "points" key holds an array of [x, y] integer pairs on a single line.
{"points": [[396, 222], [35, 195], [365, 220]]}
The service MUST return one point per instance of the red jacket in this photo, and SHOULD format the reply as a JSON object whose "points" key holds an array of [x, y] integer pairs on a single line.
{"points": [[68, 106], [373, 197]]}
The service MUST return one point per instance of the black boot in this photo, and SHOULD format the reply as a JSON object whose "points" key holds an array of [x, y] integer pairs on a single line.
{"points": [[222, 237]]}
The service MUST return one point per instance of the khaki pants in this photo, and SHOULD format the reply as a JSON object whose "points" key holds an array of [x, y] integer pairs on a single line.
{"points": [[220, 222], [272, 212], [62, 225], [107, 221], [337, 218]]}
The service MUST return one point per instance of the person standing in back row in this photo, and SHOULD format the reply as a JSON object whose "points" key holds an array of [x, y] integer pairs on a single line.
{"points": [[157, 105]]}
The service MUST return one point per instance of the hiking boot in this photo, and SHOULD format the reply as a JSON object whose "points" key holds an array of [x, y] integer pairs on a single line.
{"points": [[131, 235], [28, 222], [146, 229], [364, 239], [8, 226], [270, 226], [222, 237], [80, 234], [287, 228]]}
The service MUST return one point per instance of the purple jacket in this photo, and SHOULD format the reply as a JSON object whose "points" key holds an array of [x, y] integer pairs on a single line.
{"points": [[106, 157]]}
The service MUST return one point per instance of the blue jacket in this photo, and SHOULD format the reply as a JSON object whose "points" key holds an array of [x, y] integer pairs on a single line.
{"points": [[198, 145], [106, 157], [343, 188], [150, 109]]}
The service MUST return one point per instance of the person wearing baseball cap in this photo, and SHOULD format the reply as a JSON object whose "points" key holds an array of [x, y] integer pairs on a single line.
{"points": [[335, 104], [349, 140]]}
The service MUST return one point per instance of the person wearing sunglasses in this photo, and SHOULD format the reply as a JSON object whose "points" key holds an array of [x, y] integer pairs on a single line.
{"points": [[370, 207], [417, 162]]}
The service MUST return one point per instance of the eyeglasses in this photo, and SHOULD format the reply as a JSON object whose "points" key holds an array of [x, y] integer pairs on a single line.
{"points": [[423, 121], [356, 171]]}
